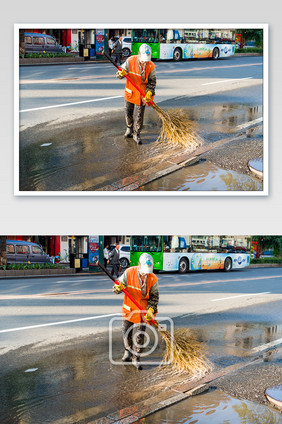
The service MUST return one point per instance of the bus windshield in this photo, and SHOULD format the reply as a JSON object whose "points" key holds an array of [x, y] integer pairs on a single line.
{"points": [[146, 243], [145, 35]]}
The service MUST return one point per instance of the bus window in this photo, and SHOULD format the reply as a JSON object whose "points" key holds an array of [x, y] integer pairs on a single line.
{"points": [[172, 36], [145, 35], [146, 244]]}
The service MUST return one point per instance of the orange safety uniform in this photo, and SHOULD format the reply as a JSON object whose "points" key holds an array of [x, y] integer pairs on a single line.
{"points": [[134, 289], [131, 94]]}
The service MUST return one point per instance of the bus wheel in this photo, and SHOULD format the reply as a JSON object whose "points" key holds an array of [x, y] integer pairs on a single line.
{"points": [[227, 264], [215, 54], [177, 54], [183, 266]]}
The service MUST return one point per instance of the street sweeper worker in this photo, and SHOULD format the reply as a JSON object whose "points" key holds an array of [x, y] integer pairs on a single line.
{"points": [[142, 284], [142, 71]]}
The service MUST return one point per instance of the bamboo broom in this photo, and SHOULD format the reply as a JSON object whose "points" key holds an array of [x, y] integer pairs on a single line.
{"points": [[176, 127], [182, 349]]}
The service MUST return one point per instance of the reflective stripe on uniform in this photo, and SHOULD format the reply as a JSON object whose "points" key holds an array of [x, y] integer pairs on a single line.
{"points": [[128, 308], [136, 288], [134, 73]]}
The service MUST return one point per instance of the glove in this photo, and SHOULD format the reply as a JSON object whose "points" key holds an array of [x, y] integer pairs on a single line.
{"points": [[121, 74], [117, 288], [149, 315], [148, 96]]}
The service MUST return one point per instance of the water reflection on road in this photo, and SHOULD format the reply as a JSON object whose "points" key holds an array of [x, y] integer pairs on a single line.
{"points": [[204, 176], [213, 408]]}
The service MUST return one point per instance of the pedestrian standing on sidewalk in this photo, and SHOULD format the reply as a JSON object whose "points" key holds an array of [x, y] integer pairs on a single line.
{"points": [[142, 284], [117, 49], [114, 261], [106, 252], [111, 45], [142, 72]]}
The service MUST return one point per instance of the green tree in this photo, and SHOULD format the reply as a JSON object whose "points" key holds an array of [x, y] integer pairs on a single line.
{"points": [[251, 34], [269, 242]]}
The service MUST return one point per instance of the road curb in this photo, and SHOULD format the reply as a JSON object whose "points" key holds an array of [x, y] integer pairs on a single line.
{"points": [[265, 265], [78, 274], [133, 414], [136, 181], [75, 62]]}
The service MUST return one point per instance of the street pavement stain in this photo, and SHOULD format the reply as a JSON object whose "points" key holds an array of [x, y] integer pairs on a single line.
{"points": [[78, 382], [91, 154], [214, 407]]}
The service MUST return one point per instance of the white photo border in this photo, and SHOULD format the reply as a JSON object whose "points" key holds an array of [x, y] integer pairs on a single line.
{"points": [[202, 193]]}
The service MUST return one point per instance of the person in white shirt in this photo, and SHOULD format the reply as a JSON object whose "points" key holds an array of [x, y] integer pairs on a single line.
{"points": [[106, 252]]}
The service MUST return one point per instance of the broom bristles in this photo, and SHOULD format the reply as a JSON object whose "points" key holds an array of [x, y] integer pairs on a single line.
{"points": [[185, 352], [177, 128]]}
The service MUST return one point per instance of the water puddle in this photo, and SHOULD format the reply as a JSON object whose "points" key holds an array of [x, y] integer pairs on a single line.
{"points": [[204, 176], [231, 342], [92, 154], [214, 407]]}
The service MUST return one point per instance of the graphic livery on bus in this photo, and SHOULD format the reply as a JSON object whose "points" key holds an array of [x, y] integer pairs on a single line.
{"points": [[179, 44], [184, 253]]}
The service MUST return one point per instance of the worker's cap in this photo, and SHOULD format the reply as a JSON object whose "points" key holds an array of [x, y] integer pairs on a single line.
{"points": [[145, 53], [146, 263]]}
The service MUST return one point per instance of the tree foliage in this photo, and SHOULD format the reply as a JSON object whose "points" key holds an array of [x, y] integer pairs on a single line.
{"points": [[267, 242], [252, 34]]}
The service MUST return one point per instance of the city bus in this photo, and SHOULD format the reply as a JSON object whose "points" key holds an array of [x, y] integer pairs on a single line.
{"points": [[192, 253], [179, 44]]}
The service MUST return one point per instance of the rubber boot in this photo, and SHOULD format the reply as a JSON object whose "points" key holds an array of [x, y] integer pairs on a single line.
{"points": [[137, 138], [126, 356], [136, 363], [128, 133]]}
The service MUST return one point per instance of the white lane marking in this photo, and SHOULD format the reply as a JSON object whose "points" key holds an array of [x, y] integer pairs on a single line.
{"points": [[70, 104], [31, 370], [50, 324], [240, 295], [90, 67], [45, 144], [266, 346], [227, 80], [248, 124], [86, 279]]}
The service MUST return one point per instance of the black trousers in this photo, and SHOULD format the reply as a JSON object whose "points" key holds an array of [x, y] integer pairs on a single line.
{"points": [[114, 270], [118, 58], [136, 122], [127, 333]]}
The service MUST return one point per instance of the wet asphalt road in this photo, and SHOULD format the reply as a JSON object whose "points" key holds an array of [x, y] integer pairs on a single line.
{"points": [[73, 380], [80, 147]]}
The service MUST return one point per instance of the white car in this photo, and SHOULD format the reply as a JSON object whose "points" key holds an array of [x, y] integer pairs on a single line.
{"points": [[126, 45], [124, 254]]}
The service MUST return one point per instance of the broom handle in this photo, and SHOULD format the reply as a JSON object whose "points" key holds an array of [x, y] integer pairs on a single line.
{"points": [[128, 78], [124, 291]]}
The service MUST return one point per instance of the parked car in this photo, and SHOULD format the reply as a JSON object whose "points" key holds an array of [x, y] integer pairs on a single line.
{"points": [[267, 254], [39, 43], [249, 44], [124, 254], [19, 251], [126, 45]]}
